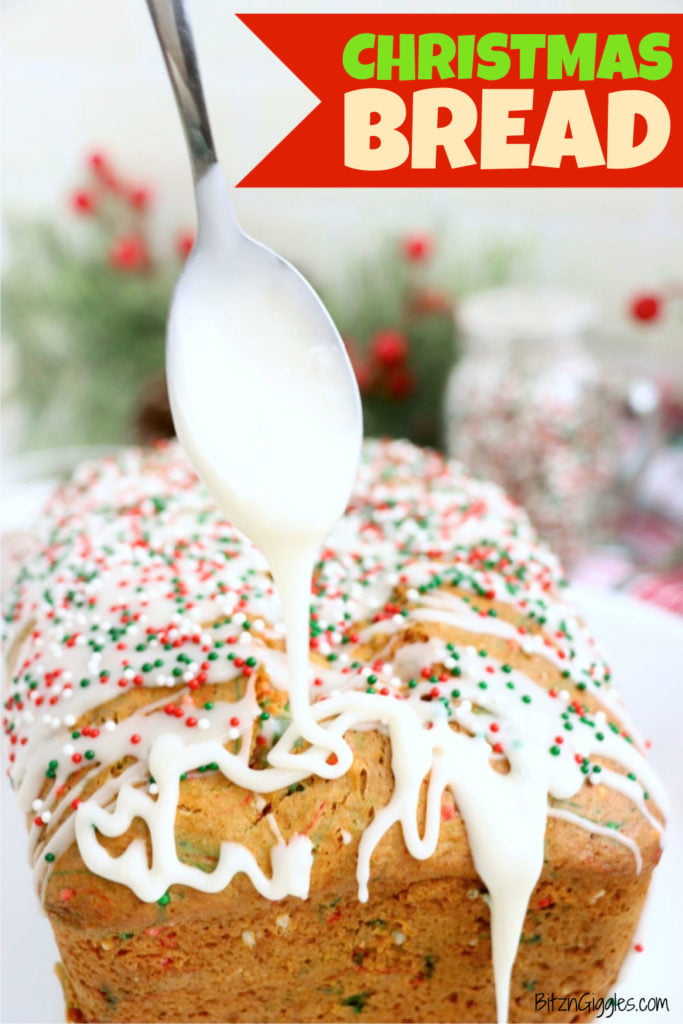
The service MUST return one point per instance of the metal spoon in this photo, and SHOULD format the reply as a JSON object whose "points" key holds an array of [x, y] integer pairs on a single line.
{"points": [[263, 396]]}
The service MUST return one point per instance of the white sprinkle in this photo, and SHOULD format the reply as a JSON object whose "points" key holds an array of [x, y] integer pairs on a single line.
{"points": [[68, 749], [153, 789], [346, 837], [238, 618], [245, 637], [46, 815], [110, 726], [37, 804], [233, 734], [282, 922], [399, 937], [203, 723], [249, 939]]}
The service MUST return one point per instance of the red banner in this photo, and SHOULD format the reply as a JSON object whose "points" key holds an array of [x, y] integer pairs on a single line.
{"points": [[443, 100]]}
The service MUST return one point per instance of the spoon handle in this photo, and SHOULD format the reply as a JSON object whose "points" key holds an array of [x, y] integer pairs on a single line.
{"points": [[177, 45]]}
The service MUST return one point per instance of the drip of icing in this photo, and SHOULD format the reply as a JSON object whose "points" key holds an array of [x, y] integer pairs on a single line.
{"points": [[600, 830], [113, 502], [265, 338]]}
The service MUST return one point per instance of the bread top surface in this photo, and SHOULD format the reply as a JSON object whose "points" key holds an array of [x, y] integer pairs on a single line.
{"points": [[147, 665]]}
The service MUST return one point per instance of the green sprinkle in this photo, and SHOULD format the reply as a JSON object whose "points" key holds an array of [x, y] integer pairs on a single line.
{"points": [[526, 698], [357, 1002], [164, 900], [555, 750], [49, 857], [455, 694]]}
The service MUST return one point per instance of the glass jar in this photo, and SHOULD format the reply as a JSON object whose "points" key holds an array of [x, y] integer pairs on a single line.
{"points": [[528, 407]]}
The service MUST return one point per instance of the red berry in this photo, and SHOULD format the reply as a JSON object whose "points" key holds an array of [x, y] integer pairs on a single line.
{"points": [[417, 247], [646, 307], [401, 383], [184, 243], [389, 347], [102, 169], [83, 202], [139, 198], [97, 161], [129, 253]]}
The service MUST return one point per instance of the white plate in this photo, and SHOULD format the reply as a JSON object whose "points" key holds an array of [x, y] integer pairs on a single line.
{"points": [[646, 650]]}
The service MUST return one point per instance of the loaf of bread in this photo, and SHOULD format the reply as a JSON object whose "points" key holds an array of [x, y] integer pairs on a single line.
{"points": [[488, 825]]}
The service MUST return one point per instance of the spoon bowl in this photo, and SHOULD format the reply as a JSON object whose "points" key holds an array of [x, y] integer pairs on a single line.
{"points": [[263, 396]]}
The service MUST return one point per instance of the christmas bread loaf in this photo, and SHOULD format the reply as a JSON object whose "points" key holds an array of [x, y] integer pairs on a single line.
{"points": [[491, 813]]}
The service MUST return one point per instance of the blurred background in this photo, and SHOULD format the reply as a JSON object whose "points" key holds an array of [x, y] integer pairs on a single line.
{"points": [[537, 333]]}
